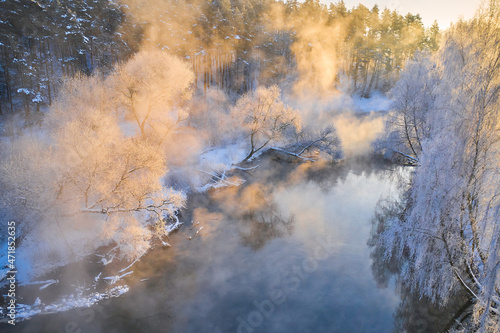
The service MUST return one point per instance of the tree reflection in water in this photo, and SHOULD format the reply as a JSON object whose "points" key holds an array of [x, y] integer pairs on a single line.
{"points": [[415, 313], [252, 206], [264, 226]]}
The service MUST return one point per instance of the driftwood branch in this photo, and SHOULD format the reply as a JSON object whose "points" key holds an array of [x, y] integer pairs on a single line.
{"points": [[406, 155]]}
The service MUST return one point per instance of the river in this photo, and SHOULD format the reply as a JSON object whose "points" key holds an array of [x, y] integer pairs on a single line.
{"points": [[284, 252]]}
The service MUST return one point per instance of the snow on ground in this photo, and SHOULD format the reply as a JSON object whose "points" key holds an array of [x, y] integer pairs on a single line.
{"points": [[221, 158], [377, 102], [22, 264], [66, 303], [214, 163]]}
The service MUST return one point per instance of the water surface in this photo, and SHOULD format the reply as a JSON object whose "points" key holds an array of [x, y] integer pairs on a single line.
{"points": [[285, 252]]}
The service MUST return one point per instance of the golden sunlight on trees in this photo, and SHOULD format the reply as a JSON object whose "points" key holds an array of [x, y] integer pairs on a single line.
{"points": [[266, 117], [89, 172], [150, 87], [231, 45]]}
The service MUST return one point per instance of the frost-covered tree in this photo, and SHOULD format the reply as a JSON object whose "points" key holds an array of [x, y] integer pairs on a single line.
{"points": [[150, 87], [413, 95], [447, 231], [265, 117], [316, 144], [85, 181]]}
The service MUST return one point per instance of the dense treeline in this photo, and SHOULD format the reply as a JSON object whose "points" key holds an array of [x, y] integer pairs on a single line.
{"points": [[233, 45], [43, 41]]}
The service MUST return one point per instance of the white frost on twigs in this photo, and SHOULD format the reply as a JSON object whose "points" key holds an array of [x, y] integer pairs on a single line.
{"points": [[173, 226], [68, 302], [116, 278]]}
